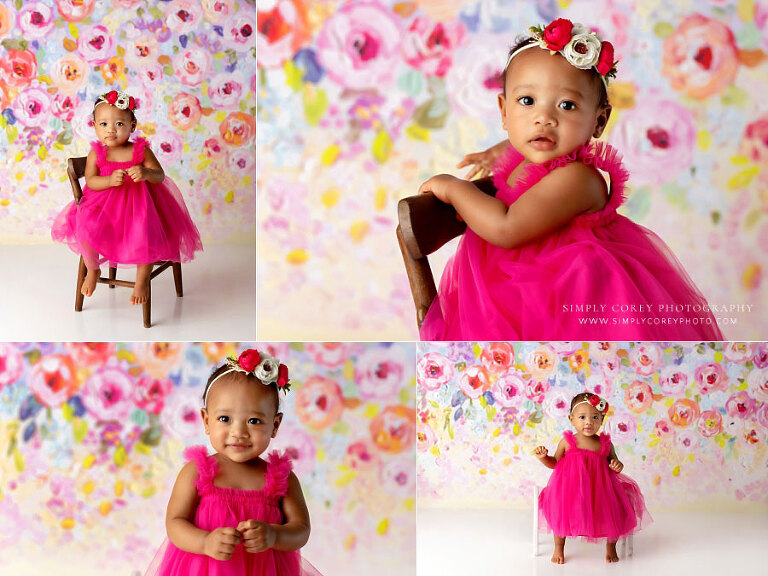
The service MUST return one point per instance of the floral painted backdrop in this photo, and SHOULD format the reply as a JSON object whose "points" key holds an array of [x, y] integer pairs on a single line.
{"points": [[689, 421], [92, 435], [359, 102], [191, 65]]}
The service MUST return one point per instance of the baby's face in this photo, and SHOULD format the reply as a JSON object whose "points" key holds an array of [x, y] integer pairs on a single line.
{"points": [[113, 126], [241, 417], [586, 419], [551, 107]]}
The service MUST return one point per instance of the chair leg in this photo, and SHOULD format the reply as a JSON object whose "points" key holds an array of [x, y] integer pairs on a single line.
{"points": [[177, 279], [112, 274], [535, 521], [81, 271], [147, 306]]}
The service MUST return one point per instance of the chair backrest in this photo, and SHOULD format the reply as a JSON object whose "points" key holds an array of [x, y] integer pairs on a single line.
{"points": [[75, 171]]}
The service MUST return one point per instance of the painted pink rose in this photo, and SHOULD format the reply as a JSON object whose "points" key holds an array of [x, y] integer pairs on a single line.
{"points": [[428, 46], [90, 354], [761, 415], [622, 427], [760, 358], [70, 74], [433, 371], [359, 46], [645, 358], [380, 373], [398, 477], [181, 415], [657, 138], [602, 386], [331, 354], [754, 142], [183, 16], [239, 33], [602, 350], [425, 437], [393, 430], [542, 362], [700, 57], [740, 404], [158, 358], [663, 428], [63, 106], [686, 440], [752, 438], [18, 68], [167, 146], [362, 457], [509, 390], [151, 76], [638, 397], [11, 364], [738, 351], [238, 128], [498, 357], [6, 20], [557, 404], [142, 51], [241, 161], [53, 379], [216, 11], [319, 402], [536, 390], [75, 10], [192, 66], [282, 30], [35, 20], [710, 377], [565, 348], [610, 367], [32, 107], [710, 423], [757, 384], [128, 4], [226, 90], [474, 381], [184, 111], [108, 393], [684, 412], [673, 381], [95, 44], [213, 148], [299, 446], [149, 394]]}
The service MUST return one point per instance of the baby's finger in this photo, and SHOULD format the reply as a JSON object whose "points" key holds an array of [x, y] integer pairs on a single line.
{"points": [[466, 161]]}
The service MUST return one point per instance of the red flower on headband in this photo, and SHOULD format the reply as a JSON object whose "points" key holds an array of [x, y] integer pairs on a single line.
{"points": [[558, 34], [111, 97], [249, 359], [605, 62], [282, 376], [594, 399], [131, 103]]}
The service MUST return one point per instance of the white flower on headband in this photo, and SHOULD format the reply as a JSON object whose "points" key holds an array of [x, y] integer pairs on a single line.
{"points": [[267, 369], [583, 50], [119, 99]]}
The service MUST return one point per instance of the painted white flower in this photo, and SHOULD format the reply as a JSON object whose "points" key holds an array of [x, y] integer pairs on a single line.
{"points": [[266, 371], [583, 51]]}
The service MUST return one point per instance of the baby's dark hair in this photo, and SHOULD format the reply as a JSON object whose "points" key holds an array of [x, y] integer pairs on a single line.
{"points": [[520, 41], [224, 367], [96, 103]]}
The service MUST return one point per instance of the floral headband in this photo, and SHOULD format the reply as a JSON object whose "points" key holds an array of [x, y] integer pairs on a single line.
{"points": [[595, 400], [579, 45], [119, 100], [258, 364]]}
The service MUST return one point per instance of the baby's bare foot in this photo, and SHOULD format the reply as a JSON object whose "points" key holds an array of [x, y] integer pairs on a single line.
{"points": [[559, 555], [141, 288], [610, 552], [89, 284]]}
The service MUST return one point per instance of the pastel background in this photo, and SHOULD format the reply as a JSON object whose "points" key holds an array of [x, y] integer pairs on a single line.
{"points": [[92, 435], [191, 65], [359, 102], [689, 421]]}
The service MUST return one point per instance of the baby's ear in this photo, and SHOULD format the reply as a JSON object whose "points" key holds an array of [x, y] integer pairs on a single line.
{"points": [[204, 416], [278, 420], [602, 120], [502, 100]]}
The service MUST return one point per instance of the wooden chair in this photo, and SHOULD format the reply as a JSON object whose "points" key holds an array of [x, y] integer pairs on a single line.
{"points": [[75, 171], [425, 225]]}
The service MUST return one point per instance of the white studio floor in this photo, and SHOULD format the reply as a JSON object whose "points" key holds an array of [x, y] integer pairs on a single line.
{"points": [[37, 299], [500, 542]]}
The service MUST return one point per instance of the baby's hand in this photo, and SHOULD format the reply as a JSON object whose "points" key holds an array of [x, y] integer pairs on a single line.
{"points": [[540, 452], [137, 173], [220, 544], [439, 186], [257, 536], [482, 162], [117, 178], [615, 465]]}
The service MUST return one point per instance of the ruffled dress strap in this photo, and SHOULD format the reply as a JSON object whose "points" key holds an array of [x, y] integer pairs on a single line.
{"points": [[570, 440], [207, 467], [138, 150], [605, 444], [101, 153], [278, 470]]}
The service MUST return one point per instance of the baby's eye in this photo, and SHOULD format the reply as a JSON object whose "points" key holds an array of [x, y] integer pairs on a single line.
{"points": [[525, 100], [102, 123], [254, 421], [224, 419], [567, 105], [120, 124]]}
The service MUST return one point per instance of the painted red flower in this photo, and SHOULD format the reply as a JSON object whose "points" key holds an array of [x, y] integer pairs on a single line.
{"points": [[558, 34], [249, 359]]}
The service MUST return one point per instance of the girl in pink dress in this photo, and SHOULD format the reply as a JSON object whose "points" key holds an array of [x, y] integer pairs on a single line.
{"points": [[587, 495], [235, 513], [130, 212], [549, 258]]}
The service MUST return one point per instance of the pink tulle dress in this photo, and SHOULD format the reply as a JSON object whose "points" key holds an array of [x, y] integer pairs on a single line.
{"points": [[600, 259], [135, 223], [218, 507], [586, 498]]}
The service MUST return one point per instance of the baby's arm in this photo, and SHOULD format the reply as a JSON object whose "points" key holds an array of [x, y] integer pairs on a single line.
{"points": [[550, 461], [179, 521], [547, 206], [96, 182], [613, 461], [149, 170], [260, 536], [482, 162]]}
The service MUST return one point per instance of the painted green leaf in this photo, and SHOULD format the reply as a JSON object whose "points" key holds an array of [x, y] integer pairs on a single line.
{"points": [[120, 456], [315, 104], [152, 436], [79, 429]]}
